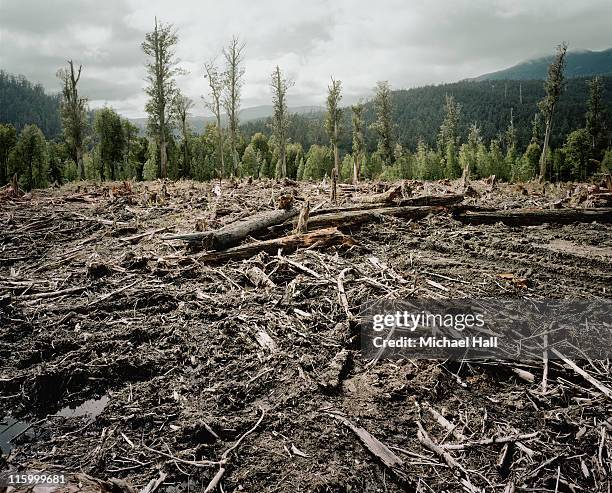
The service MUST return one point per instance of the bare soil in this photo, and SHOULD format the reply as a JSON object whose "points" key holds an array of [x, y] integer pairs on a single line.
{"points": [[187, 356]]}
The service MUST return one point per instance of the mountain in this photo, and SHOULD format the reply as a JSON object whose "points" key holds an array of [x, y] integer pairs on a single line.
{"points": [[23, 103], [579, 64], [418, 113], [198, 123]]}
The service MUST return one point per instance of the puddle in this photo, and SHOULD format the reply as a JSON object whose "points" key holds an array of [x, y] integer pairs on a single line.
{"points": [[91, 408], [11, 427]]}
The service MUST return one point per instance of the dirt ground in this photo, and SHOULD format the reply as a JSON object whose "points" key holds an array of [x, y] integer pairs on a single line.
{"points": [[124, 356]]}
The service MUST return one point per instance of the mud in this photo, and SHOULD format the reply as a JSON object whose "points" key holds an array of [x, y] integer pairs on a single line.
{"points": [[117, 345]]}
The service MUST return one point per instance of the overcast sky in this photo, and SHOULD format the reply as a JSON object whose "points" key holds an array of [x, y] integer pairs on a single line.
{"points": [[408, 42]]}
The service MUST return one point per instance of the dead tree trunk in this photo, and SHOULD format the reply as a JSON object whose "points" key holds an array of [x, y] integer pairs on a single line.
{"points": [[319, 238], [532, 217], [232, 234]]}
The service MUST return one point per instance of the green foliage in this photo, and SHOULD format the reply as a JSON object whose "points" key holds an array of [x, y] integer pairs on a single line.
{"points": [[528, 164], [428, 164], [280, 118], [70, 171], [383, 124], [555, 83], [596, 118], [373, 166], [110, 142], [295, 153], [577, 150], [606, 162], [471, 153], [448, 138], [151, 166], [58, 156], [159, 45], [29, 159], [346, 168], [73, 110], [204, 153], [334, 112], [250, 163], [23, 103], [319, 162], [8, 140]]}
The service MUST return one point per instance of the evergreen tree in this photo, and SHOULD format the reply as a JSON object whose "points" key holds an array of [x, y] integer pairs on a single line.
{"points": [[448, 137], [595, 118], [8, 140], [577, 150], [469, 152], [318, 163], [111, 143], [28, 158]]}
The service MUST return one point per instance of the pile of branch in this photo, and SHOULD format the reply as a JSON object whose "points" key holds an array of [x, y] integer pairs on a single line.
{"points": [[322, 227]]}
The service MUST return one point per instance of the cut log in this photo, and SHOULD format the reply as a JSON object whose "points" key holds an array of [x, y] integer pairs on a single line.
{"points": [[233, 233], [533, 217], [321, 238], [447, 200], [382, 198], [360, 216]]}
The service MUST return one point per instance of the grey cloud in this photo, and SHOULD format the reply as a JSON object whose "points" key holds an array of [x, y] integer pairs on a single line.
{"points": [[358, 41]]}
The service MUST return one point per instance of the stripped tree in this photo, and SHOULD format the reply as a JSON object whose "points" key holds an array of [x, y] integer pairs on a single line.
{"points": [[554, 87], [182, 107], [73, 111], [215, 82], [280, 118], [358, 140], [332, 119], [162, 68], [234, 54], [383, 125]]}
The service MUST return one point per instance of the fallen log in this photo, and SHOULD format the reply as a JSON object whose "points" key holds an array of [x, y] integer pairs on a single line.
{"points": [[447, 200], [352, 216], [359, 216], [534, 217], [382, 198], [233, 233], [321, 238]]}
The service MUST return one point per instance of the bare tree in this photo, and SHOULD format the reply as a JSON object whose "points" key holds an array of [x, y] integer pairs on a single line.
{"points": [[332, 120], [554, 87], [358, 139], [280, 117], [182, 107], [159, 45], [234, 73], [74, 113], [215, 82]]}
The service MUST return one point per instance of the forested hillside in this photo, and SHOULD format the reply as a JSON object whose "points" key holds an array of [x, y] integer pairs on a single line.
{"points": [[23, 103], [419, 112], [584, 63]]}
